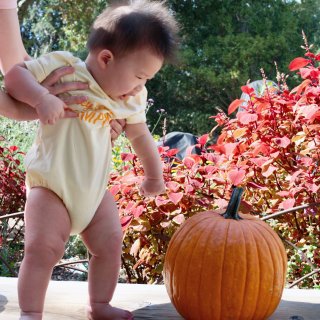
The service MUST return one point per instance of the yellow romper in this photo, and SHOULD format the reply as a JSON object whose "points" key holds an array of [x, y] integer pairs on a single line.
{"points": [[73, 157]]}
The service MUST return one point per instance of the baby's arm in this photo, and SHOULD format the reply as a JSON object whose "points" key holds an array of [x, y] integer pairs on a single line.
{"points": [[146, 149], [22, 86]]}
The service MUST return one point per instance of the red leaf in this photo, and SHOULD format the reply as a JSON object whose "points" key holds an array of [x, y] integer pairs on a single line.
{"points": [[203, 139], [254, 185], [234, 105], [173, 186], [125, 222], [310, 54], [298, 63], [175, 197], [189, 150], [188, 188], [221, 203], [171, 152], [287, 204], [301, 87], [135, 248], [282, 142], [312, 187], [236, 176], [161, 201], [305, 72], [137, 212], [127, 156], [188, 162], [245, 117], [283, 193], [310, 112], [196, 183], [245, 207], [191, 160], [246, 89], [179, 219], [229, 148], [269, 171], [307, 161], [13, 148], [115, 189], [295, 175]]}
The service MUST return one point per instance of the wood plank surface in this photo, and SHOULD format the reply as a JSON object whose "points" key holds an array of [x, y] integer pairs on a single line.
{"points": [[66, 301]]}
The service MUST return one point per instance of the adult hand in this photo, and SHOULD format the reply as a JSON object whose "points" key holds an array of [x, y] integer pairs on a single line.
{"points": [[55, 87]]}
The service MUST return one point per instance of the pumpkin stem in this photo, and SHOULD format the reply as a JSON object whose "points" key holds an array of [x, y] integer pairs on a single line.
{"points": [[233, 205]]}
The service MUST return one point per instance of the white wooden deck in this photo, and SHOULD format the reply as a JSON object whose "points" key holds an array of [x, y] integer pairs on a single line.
{"points": [[66, 301]]}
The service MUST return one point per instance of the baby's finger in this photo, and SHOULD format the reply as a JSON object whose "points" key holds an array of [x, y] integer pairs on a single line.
{"points": [[117, 125]]}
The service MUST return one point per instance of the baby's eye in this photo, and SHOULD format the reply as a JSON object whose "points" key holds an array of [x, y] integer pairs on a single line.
{"points": [[140, 78]]}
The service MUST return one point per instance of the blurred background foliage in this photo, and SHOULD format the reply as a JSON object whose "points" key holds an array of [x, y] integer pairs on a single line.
{"points": [[224, 44]]}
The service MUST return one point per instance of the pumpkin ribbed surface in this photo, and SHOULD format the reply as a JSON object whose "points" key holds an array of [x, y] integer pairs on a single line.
{"points": [[217, 268]]}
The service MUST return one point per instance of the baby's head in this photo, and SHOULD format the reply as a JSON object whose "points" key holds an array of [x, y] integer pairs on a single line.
{"points": [[128, 45]]}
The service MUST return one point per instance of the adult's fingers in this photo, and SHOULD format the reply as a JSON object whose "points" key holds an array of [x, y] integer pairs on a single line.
{"points": [[74, 99], [66, 87], [70, 114], [51, 82], [56, 75]]}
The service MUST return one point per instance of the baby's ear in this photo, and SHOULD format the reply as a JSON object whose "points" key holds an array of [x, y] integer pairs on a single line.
{"points": [[105, 56]]}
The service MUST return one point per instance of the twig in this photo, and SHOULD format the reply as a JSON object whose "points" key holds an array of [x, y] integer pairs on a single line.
{"points": [[126, 268], [71, 262], [12, 215], [304, 277], [279, 213], [8, 266], [304, 256], [74, 268]]}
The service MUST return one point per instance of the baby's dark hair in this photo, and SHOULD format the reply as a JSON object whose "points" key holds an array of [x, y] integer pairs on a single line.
{"points": [[124, 27]]}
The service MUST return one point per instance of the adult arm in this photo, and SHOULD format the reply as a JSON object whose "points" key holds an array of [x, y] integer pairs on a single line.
{"points": [[13, 109], [12, 50]]}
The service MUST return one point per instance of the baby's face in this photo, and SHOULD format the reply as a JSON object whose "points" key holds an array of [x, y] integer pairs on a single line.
{"points": [[124, 77]]}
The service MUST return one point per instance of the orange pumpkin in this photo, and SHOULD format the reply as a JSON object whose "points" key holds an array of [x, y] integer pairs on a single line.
{"points": [[227, 266]]}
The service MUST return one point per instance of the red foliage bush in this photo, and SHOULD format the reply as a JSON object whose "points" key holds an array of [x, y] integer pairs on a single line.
{"points": [[12, 180], [271, 148]]}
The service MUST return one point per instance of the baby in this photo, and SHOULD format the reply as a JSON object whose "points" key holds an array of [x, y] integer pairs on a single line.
{"points": [[68, 164]]}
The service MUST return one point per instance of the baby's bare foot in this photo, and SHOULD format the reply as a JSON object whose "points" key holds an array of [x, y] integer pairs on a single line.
{"points": [[30, 316], [103, 311]]}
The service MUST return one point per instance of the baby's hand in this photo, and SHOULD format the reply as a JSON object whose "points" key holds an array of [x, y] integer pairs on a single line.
{"points": [[50, 109], [152, 187]]}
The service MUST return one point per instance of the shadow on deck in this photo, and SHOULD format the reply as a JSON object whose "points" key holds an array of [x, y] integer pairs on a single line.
{"points": [[66, 301]]}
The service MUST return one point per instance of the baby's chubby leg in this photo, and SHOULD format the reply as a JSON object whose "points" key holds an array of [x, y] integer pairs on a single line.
{"points": [[47, 228], [103, 238]]}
